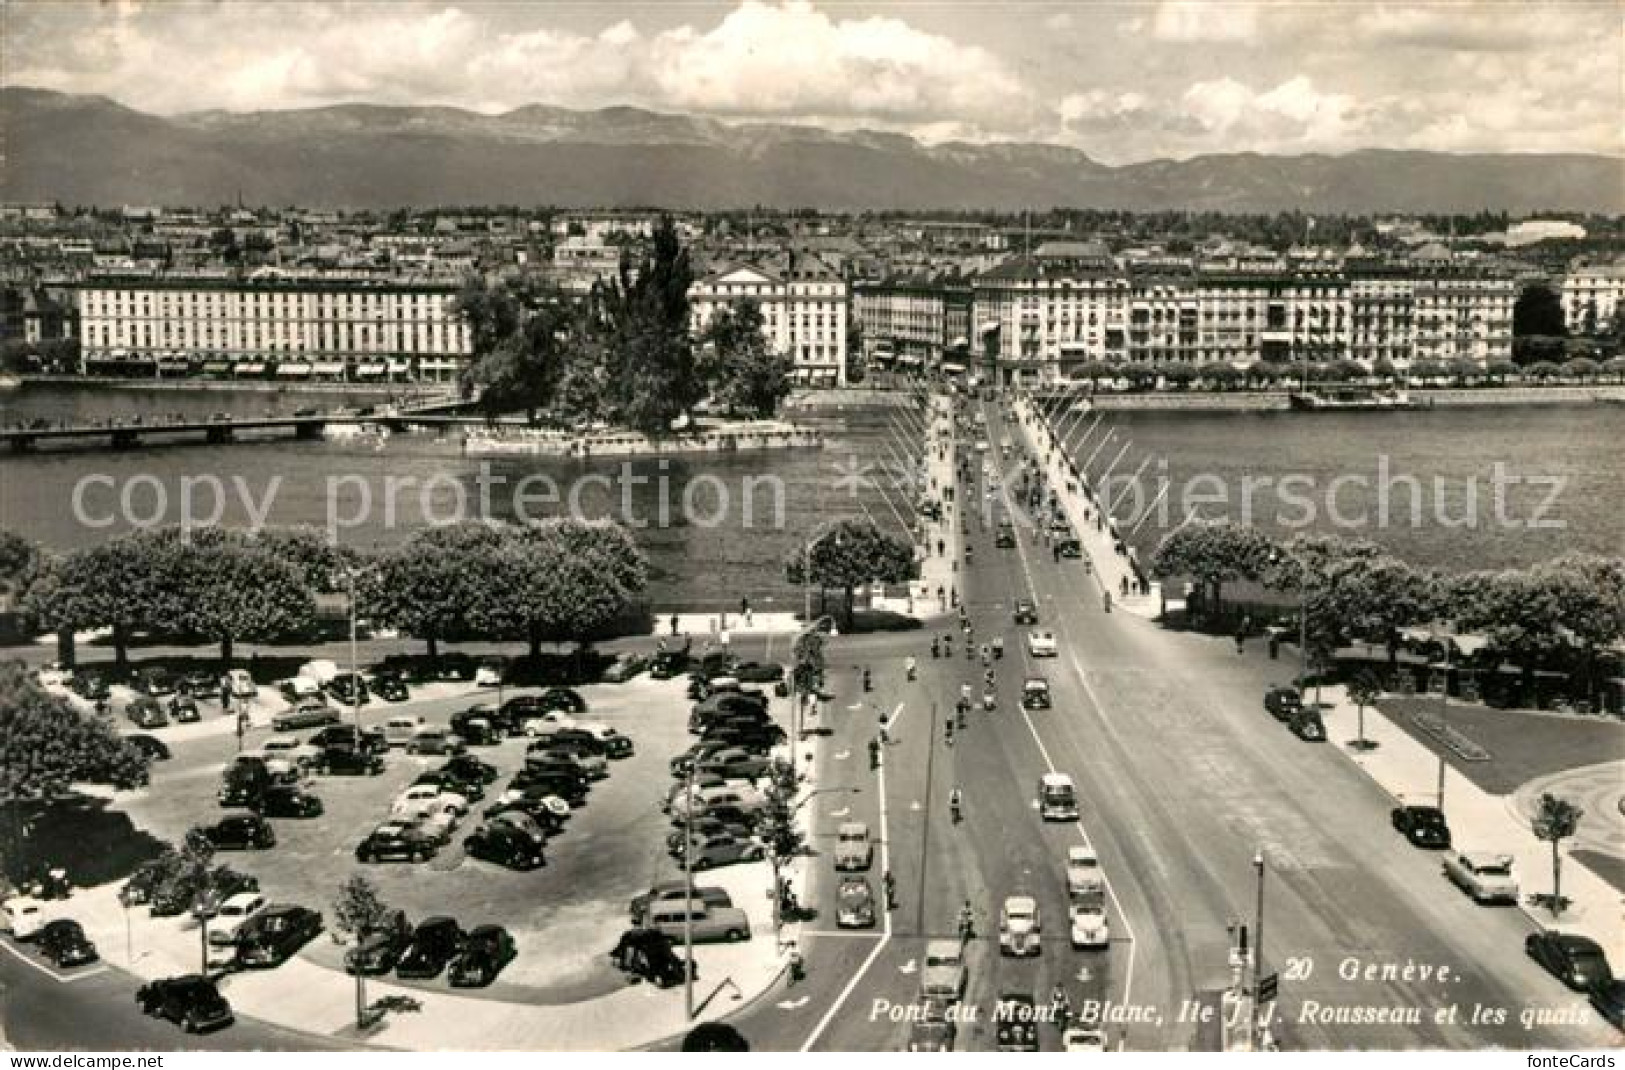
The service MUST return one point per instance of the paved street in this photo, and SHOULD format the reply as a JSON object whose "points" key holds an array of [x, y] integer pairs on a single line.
{"points": [[1182, 777]]}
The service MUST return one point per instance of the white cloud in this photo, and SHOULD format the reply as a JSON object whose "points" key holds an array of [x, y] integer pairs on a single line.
{"points": [[1204, 20]]}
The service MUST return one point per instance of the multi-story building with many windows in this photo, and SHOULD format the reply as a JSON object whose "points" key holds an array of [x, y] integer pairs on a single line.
{"points": [[915, 319], [1463, 315], [275, 325], [1592, 296], [1037, 321], [804, 311]]}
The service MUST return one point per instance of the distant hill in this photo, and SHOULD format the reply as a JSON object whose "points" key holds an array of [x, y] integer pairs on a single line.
{"points": [[90, 150]]}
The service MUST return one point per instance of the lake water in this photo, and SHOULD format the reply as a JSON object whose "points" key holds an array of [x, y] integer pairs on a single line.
{"points": [[718, 528]]}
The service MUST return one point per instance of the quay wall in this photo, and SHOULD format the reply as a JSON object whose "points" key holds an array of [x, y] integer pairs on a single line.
{"points": [[553, 444], [1441, 397]]}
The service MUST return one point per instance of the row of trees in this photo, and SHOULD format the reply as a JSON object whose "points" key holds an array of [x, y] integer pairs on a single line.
{"points": [[1222, 376], [557, 580], [1561, 612], [623, 352]]}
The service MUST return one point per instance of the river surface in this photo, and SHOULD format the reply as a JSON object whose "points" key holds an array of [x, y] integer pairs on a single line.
{"points": [[718, 528]]}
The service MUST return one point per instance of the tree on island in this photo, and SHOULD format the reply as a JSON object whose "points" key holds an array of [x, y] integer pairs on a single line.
{"points": [[523, 369], [360, 911], [1538, 311], [1554, 821], [47, 744], [845, 554], [735, 359], [653, 378]]}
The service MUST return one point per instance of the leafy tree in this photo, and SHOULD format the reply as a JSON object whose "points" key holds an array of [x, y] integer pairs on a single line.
{"points": [[524, 368], [430, 587], [744, 373], [846, 554], [1538, 311], [493, 312], [653, 378], [1501, 370], [1554, 821], [236, 589], [1583, 368], [20, 561], [559, 581], [807, 662], [1587, 592], [320, 562], [126, 584], [48, 744], [1213, 552], [1364, 690], [1310, 557], [359, 910]]}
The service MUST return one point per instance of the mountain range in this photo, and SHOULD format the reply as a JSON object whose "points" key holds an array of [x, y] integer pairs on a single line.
{"points": [[91, 150]]}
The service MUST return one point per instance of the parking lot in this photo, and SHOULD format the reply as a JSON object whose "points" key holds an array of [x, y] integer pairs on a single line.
{"points": [[564, 916]]}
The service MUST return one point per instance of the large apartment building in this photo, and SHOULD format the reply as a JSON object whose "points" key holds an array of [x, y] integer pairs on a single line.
{"points": [[804, 310], [276, 325], [1592, 296], [916, 319]]}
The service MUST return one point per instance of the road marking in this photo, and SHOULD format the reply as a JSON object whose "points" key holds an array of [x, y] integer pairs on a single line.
{"points": [[885, 937], [793, 1004], [1128, 928], [909, 967], [59, 978]]}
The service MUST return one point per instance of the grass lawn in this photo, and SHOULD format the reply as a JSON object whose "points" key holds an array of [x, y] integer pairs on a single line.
{"points": [[1523, 745], [1610, 868]]}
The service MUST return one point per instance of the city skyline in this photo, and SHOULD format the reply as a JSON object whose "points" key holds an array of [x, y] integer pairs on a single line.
{"points": [[1121, 82]]}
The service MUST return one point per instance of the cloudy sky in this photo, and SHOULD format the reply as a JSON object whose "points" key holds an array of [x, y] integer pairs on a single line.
{"points": [[1120, 81]]}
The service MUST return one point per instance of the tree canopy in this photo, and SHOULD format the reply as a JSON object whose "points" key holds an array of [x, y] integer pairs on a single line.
{"points": [[47, 743], [845, 554]]}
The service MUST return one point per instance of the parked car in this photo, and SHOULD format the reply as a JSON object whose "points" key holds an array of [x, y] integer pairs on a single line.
{"points": [[469, 769], [708, 924], [537, 828], [451, 783], [562, 700], [854, 904], [155, 682], [1424, 826], [625, 667], [289, 749], [63, 941], [1485, 877], [1035, 694], [475, 729], [1020, 926], [649, 954], [432, 740], [736, 764], [183, 709], [674, 892], [309, 713], [758, 672], [199, 683], [1041, 643], [191, 1002], [366, 740], [152, 747], [505, 845], [395, 841], [399, 730], [708, 852], [1025, 611], [943, 976], [549, 812], [390, 687], [1306, 724], [853, 848], [378, 950], [240, 832], [1608, 1000], [435, 942], [490, 672], [342, 761], [146, 712], [422, 799], [275, 935], [538, 782], [1575, 960], [91, 686], [486, 949], [287, 800], [1282, 702], [296, 689], [349, 690]]}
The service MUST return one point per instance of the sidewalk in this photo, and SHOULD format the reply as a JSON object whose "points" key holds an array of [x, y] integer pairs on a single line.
{"points": [[1478, 821], [937, 474], [1110, 567]]}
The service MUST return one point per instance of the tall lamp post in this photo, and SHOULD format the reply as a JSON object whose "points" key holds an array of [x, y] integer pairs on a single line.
{"points": [[1258, 951], [1303, 619], [1444, 705], [355, 676]]}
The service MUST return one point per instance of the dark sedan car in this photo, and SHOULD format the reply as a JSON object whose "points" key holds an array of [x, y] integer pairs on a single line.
{"points": [[505, 845], [1424, 826], [275, 935], [1306, 725], [1608, 1000], [183, 708], [758, 672], [240, 832], [342, 761], [150, 746], [469, 788], [467, 768], [1575, 960], [155, 682], [395, 841], [199, 683], [390, 687], [366, 740], [349, 690], [435, 942], [286, 800], [191, 1002], [310, 713], [146, 713], [562, 700], [648, 953], [485, 951], [90, 685], [1026, 612], [1282, 702], [63, 941]]}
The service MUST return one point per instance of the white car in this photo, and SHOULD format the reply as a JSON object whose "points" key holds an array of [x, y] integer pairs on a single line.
{"points": [[1079, 1038], [1041, 643], [225, 923], [489, 673], [421, 800], [541, 724], [52, 675], [1083, 875], [289, 749], [1089, 927], [23, 916], [1020, 926]]}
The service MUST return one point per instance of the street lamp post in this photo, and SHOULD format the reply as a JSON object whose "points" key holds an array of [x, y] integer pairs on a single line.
{"points": [[688, 894], [1258, 950], [355, 676], [1444, 712]]}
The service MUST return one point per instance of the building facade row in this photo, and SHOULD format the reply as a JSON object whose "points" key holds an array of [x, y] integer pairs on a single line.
{"points": [[804, 307]]}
